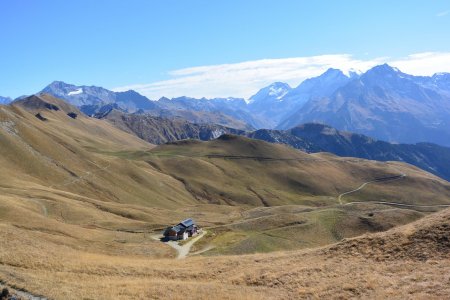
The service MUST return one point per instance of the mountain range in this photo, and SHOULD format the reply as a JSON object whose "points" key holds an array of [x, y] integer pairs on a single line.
{"points": [[383, 103], [386, 104], [91, 100], [276, 102]]}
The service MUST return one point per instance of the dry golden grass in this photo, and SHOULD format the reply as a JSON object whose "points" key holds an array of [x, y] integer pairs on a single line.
{"points": [[411, 261], [266, 229]]}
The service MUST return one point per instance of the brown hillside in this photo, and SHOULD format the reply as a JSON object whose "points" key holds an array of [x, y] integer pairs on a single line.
{"points": [[235, 169], [339, 271], [425, 239]]}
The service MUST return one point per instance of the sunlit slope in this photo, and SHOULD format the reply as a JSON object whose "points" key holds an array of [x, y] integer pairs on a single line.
{"points": [[409, 261], [289, 227], [65, 154], [57, 185], [237, 170]]}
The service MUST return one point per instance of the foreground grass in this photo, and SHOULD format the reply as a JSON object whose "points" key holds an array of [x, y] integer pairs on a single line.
{"points": [[406, 262]]}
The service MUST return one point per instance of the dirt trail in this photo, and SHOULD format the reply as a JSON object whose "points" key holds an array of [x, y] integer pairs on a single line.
{"points": [[182, 250], [398, 204], [383, 179]]}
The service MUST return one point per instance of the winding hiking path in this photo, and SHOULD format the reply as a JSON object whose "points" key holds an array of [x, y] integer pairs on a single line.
{"points": [[382, 179], [398, 204], [182, 250], [385, 179]]}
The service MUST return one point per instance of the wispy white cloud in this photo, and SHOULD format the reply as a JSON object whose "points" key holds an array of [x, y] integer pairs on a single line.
{"points": [[246, 78], [426, 63], [443, 13]]}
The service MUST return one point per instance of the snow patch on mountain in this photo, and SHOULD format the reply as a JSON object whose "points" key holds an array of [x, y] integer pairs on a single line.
{"points": [[351, 73], [279, 92], [76, 92], [217, 132]]}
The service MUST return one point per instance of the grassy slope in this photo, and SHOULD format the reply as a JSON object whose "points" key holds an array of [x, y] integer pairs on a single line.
{"points": [[57, 155], [238, 170], [410, 261], [53, 183], [299, 227]]}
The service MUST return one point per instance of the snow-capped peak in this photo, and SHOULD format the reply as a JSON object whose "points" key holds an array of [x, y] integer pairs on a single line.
{"points": [[275, 91]]}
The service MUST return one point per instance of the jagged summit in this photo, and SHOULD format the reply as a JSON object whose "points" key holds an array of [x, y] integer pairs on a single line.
{"points": [[273, 92], [384, 68], [383, 73], [332, 72]]}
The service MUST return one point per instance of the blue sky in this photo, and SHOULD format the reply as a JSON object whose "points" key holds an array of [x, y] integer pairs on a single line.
{"points": [[212, 48]]}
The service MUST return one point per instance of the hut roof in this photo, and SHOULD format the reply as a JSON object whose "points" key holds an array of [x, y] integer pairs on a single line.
{"points": [[187, 223]]}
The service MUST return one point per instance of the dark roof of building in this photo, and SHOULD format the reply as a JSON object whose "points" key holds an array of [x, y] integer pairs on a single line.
{"points": [[186, 223], [176, 228]]}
